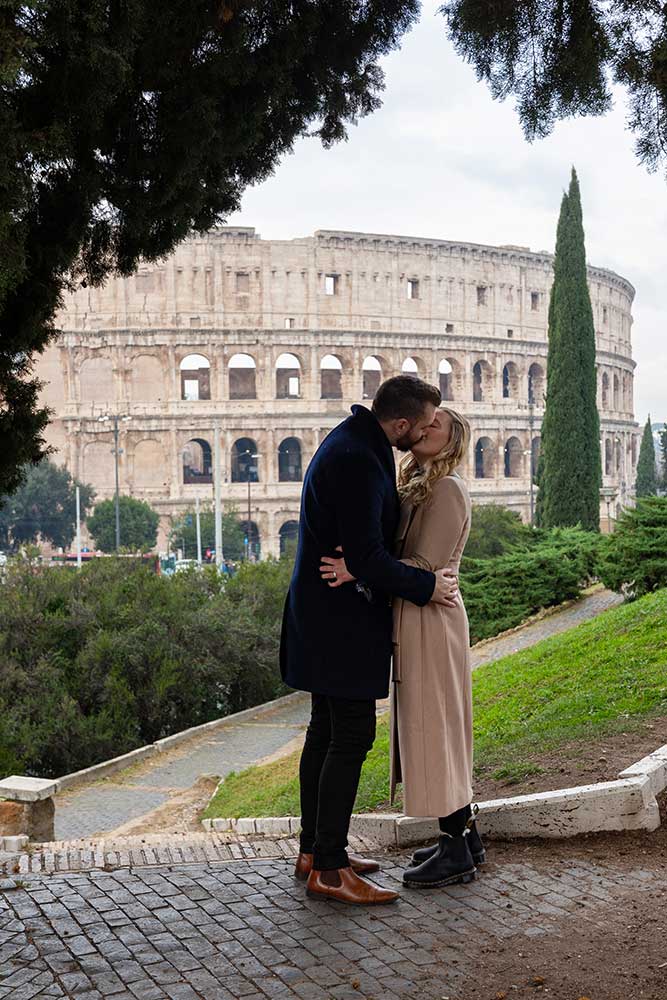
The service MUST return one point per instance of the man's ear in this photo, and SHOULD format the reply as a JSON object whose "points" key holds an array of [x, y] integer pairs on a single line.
{"points": [[401, 427]]}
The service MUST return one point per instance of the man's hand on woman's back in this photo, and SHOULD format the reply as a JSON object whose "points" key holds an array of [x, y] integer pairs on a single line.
{"points": [[446, 588]]}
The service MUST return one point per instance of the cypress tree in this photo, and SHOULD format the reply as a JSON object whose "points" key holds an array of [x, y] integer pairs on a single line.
{"points": [[663, 453], [646, 484], [570, 473]]}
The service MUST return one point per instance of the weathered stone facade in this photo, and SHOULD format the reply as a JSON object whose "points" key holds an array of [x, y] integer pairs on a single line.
{"points": [[471, 318]]}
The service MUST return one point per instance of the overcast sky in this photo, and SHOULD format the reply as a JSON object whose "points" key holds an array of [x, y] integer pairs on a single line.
{"points": [[442, 159]]}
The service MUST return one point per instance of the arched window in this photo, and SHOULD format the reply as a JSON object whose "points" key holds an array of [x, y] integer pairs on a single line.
{"points": [[633, 450], [513, 458], [446, 376], [410, 367], [481, 381], [617, 393], [195, 377], [251, 541], [289, 461], [372, 373], [534, 457], [536, 384], [331, 377], [242, 377], [289, 536], [605, 391], [484, 459], [617, 455], [288, 377], [510, 381], [244, 461], [607, 457], [197, 463]]}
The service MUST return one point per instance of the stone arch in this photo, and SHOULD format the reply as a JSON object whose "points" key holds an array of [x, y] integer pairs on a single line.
{"points": [[96, 384], [617, 455], [536, 384], [197, 462], [450, 380], [245, 468], [289, 461], [372, 375], [98, 464], [148, 464], [485, 458], [147, 379], [605, 391], [195, 377], [331, 377], [617, 393], [482, 381], [288, 536], [608, 457], [414, 365], [510, 381], [288, 377], [242, 377], [513, 452]]}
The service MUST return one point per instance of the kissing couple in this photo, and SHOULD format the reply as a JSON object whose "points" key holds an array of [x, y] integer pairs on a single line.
{"points": [[375, 580]]}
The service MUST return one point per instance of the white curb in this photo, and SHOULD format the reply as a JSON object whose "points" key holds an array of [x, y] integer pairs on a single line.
{"points": [[628, 803]]}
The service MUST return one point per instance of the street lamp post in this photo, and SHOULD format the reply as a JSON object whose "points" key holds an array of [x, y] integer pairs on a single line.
{"points": [[116, 418], [247, 544]]}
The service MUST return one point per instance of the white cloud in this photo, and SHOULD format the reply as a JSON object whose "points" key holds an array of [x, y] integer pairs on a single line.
{"points": [[442, 159]]}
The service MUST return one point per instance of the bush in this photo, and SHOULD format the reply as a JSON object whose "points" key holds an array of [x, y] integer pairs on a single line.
{"points": [[634, 557], [501, 592], [97, 662], [138, 525], [494, 530]]}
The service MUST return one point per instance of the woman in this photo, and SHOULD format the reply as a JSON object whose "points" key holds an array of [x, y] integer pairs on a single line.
{"points": [[431, 703]]}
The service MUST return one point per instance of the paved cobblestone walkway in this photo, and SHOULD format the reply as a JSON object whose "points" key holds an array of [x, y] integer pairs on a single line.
{"points": [[223, 930], [106, 805]]}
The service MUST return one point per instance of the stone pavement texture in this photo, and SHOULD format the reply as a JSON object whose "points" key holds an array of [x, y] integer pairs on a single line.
{"points": [[105, 805], [223, 930]]}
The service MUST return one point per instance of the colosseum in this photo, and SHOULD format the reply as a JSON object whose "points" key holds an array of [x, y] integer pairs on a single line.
{"points": [[263, 345]]}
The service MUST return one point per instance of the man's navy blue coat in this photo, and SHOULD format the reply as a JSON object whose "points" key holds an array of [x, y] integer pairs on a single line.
{"points": [[334, 640]]}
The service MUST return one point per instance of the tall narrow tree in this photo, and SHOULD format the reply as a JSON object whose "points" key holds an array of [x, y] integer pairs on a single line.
{"points": [[663, 456], [646, 484], [570, 472]]}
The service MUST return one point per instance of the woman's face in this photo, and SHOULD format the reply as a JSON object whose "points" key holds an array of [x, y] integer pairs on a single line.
{"points": [[436, 437]]}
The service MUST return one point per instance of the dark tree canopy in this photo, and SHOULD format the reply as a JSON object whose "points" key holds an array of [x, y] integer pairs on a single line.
{"points": [[44, 505], [138, 525], [663, 455], [560, 57], [646, 484], [569, 472], [125, 126]]}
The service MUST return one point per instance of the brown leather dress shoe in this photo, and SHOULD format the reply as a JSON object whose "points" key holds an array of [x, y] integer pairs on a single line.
{"points": [[346, 886], [362, 866]]}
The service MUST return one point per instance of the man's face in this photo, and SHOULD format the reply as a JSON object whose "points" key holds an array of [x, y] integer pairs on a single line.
{"points": [[409, 434]]}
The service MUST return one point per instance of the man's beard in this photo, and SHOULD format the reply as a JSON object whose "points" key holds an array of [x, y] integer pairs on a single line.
{"points": [[404, 443]]}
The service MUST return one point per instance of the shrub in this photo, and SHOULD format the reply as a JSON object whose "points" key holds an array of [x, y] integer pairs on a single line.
{"points": [[634, 557], [494, 530], [138, 525]]}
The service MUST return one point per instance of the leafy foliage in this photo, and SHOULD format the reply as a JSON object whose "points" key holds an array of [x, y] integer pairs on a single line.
{"points": [[663, 454], [97, 662], [138, 525], [501, 592], [634, 557], [127, 126], [494, 529], [560, 59], [44, 504], [569, 469], [646, 484], [184, 533]]}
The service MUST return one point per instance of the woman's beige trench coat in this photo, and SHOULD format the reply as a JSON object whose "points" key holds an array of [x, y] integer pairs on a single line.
{"points": [[431, 697]]}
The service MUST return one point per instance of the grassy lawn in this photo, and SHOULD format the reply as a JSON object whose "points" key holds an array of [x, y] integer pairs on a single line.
{"points": [[605, 676]]}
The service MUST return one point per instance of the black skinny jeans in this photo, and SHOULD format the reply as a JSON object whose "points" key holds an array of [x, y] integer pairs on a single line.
{"points": [[340, 734]]}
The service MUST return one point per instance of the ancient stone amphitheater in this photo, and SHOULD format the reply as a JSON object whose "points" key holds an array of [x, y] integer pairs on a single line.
{"points": [[267, 343]]}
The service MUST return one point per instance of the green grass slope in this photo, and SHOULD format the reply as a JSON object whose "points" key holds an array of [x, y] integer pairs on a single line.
{"points": [[602, 677]]}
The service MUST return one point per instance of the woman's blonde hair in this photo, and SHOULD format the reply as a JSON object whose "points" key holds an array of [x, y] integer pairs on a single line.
{"points": [[415, 483]]}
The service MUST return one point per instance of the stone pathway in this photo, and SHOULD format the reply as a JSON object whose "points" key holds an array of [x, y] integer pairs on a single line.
{"points": [[107, 804], [177, 921]]}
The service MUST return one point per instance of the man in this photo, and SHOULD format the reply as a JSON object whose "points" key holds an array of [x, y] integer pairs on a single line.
{"points": [[336, 643]]}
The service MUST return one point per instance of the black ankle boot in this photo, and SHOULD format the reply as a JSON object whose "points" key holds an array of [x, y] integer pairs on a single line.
{"points": [[452, 862], [474, 843]]}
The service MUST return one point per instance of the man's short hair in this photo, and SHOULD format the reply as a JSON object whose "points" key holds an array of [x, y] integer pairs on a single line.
{"points": [[404, 397]]}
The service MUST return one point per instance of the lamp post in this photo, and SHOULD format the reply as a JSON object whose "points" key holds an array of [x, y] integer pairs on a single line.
{"points": [[115, 418]]}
